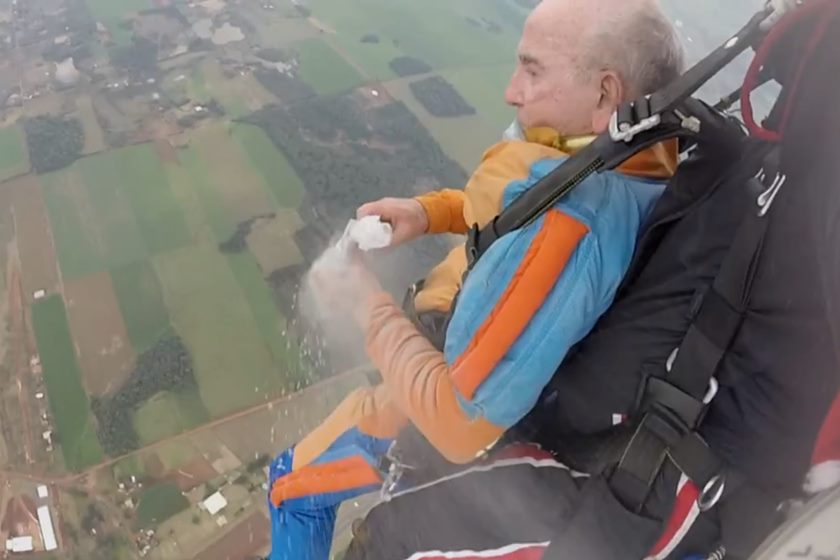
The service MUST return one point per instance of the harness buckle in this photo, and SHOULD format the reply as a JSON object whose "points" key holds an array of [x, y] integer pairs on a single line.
{"points": [[471, 246], [393, 468], [625, 131]]}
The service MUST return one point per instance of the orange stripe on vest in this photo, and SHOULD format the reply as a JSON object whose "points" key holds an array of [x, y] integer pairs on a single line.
{"points": [[542, 265]]}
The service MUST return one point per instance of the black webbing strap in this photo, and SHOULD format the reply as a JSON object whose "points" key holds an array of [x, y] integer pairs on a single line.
{"points": [[636, 126], [671, 96], [673, 406], [601, 155]]}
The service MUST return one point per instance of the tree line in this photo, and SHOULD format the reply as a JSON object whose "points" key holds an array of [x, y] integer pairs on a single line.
{"points": [[167, 366]]}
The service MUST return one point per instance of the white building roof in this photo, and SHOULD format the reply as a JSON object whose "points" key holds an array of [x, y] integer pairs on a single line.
{"points": [[20, 544], [43, 492], [215, 503], [47, 531]]}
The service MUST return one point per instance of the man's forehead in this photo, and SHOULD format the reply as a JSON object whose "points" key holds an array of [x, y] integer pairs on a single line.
{"points": [[550, 28], [541, 44]]}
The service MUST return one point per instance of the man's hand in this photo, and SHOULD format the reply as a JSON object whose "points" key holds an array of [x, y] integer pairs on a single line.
{"points": [[343, 288], [406, 216]]}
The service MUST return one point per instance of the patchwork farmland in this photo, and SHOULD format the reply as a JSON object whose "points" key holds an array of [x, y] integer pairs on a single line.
{"points": [[152, 269], [137, 239]]}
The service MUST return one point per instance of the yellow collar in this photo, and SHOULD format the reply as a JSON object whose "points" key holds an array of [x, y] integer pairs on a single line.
{"points": [[657, 162]]}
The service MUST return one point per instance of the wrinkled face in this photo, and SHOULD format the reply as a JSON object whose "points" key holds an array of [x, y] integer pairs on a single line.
{"points": [[549, 87]]}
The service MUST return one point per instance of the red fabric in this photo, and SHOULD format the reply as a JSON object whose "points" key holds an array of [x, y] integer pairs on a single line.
{"points": [[822, 10], [682, 517], [828, 442]]}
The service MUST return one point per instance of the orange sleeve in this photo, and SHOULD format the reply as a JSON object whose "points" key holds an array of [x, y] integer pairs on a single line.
{"points": [[420, 381], [445, 209]]}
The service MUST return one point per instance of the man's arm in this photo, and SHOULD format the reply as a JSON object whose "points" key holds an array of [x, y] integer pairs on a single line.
{"points": [[421, 383]]}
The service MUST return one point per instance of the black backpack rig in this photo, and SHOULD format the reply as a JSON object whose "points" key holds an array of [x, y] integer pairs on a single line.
{"points": [[718, 360]]}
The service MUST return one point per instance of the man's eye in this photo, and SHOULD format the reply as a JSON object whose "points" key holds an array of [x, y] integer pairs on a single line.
{"points": [[531, 72]]}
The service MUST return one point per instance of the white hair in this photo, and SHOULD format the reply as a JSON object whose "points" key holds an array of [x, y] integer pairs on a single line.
{"points": [[637, 42]]}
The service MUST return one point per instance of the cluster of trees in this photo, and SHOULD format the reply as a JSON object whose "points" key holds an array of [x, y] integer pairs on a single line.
{"points": [[139, 59], [53, 142], [370, 38], [238, 242], [342, 175], [92, 518], [167, 366], [440, 98], [409, 66], [285, 87]]}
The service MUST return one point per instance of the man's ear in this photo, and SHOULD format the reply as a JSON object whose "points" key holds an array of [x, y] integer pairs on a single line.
{"points": [[611, 95]]}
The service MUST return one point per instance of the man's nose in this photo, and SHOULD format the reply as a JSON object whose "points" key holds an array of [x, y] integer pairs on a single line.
{"points": [[513, 93]]}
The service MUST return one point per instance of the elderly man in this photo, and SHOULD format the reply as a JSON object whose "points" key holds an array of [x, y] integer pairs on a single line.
{"points": [[533, 295]]}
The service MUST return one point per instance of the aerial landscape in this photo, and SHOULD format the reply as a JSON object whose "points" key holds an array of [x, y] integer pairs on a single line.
{"points": [[169, 170]]}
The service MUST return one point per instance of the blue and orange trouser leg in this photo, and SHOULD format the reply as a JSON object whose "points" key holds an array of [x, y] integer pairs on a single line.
{"points": [[336, 462]]}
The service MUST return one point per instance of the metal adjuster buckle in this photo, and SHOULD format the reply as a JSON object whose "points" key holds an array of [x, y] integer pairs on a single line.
{"points": [[625, 132], [471, 245], [393, 469]]}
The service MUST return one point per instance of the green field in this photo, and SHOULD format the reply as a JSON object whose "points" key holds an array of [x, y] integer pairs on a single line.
{"points": [[115, 10], [233, 365], [13, 160], [112, 209], [192, 178], [268, 320], [196, 86], [78, 240], [175, 454], [140, 298], [374, 58], [271, 163], [68, 400], [484, 89], [324, 69], [140, 176], [158, 503], [430, 30], [109, 209], [168, 414], [128, 467]]}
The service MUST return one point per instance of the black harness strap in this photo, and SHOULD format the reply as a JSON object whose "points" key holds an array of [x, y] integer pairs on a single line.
{"points": [[673, 406]]}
